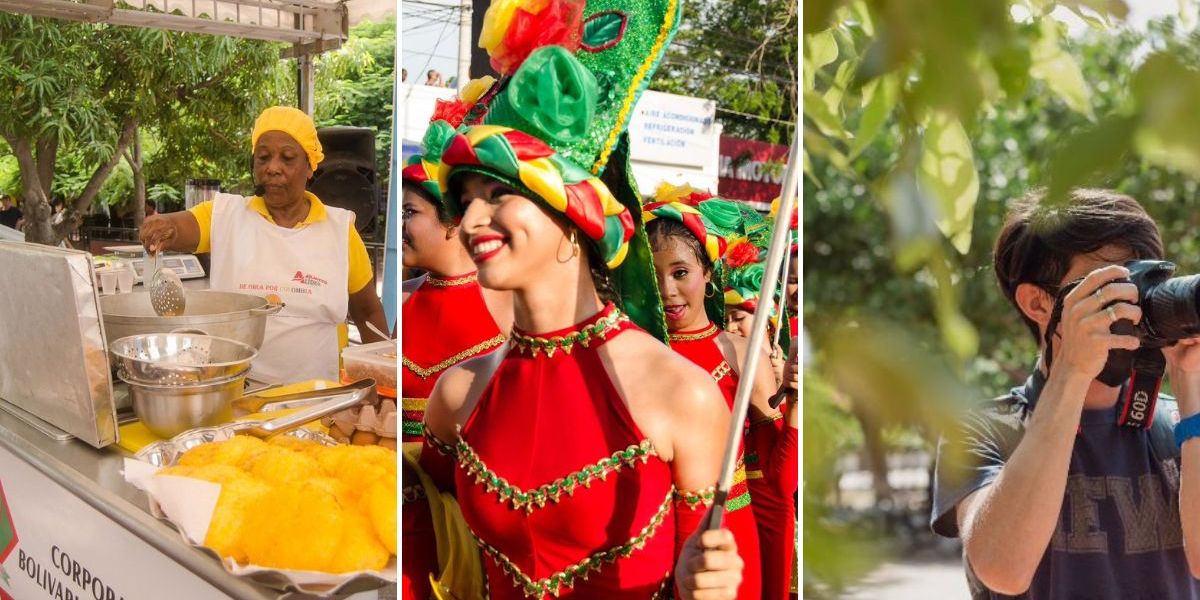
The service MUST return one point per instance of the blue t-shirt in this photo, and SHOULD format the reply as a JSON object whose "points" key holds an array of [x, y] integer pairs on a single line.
{"points": [[1118, 534]]}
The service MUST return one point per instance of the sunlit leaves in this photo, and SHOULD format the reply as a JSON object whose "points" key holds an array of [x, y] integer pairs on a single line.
{"points": [[1051, 64], [947, 175]]}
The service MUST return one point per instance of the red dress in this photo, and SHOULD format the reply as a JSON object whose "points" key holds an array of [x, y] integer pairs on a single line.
{"points": [[563, 493], [701, 348], [445, 322]]}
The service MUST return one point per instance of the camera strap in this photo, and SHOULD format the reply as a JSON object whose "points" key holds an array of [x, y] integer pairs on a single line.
{"points": [[1141, 395]]}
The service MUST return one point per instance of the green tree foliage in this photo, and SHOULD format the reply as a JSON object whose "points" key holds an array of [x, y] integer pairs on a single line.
{"points": [[84, 93], [741, 53], [354, 86], [923, 120]]}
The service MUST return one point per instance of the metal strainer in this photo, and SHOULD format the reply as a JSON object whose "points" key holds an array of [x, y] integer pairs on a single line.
{"points": [[166, 290], [181, 358]]}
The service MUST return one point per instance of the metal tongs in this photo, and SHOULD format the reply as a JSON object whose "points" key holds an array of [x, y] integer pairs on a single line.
{"points": [[319, 403]]}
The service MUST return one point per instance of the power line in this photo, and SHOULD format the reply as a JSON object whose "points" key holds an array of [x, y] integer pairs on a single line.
{"points": [[759, 117]]}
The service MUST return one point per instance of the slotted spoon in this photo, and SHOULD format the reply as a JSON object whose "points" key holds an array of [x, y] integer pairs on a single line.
{"points": [[166, 290]]}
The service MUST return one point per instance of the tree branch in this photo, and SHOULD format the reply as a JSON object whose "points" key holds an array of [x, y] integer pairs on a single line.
{"points": [[128, 129], [47, 154]]}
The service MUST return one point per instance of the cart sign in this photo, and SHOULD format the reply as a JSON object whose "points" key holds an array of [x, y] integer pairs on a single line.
{"points": [[751, 170], [71, 551]]}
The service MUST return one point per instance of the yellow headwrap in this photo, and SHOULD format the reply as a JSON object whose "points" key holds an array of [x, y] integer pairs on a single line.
{"points": [[295, 123]]}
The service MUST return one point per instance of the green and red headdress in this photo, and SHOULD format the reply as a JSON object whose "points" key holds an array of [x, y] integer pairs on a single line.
{"points": [[572, 72]]}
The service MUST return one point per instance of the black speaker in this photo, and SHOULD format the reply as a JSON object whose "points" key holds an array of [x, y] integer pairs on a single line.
{"points": [[347, 178]]}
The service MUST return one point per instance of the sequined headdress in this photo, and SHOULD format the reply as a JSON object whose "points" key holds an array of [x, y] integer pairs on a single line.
{"points": [[555, 124]]}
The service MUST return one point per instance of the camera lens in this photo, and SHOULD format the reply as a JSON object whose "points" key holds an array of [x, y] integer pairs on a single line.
{"points": [[1169, 309]]}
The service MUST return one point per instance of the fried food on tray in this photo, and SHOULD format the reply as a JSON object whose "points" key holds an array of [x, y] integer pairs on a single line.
{"points": [[296, 504], [234, 452], [379, 504], [359, 549], [294, 526], [280, 465]]}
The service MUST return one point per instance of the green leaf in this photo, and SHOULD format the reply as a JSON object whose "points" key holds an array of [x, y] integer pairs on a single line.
{"points": [[1167, 93], [820, 49], [947, 174], [816, 109], [883, 93], [913, 220], [817, 14], [1054, 66], [1096, 150], [817, 144], [603, 29], [1105, 8]]}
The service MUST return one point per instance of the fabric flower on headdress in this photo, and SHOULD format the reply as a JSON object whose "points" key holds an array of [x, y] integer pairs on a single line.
{"points": [[513, 29], [666, 192], [422, 169], [455, 111], [743, 286]]}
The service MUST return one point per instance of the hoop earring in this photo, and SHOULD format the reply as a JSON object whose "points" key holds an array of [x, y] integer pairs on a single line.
{"points": [[574, 243], [574, 250], [710, 290]]}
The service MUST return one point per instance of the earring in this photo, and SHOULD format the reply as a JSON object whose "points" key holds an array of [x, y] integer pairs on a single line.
{"points": [[574, 243], [710, 290]]}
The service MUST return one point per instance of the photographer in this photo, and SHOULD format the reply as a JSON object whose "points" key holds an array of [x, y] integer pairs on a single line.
{"points": [[1071, 485]]}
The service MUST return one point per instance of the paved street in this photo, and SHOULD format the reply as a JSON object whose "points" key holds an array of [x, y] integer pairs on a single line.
{"points": [[919, 578]]}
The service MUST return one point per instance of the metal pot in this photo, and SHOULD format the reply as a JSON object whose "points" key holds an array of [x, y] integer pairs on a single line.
{"points": [[240, 317], [180, 358], [168, 410]]}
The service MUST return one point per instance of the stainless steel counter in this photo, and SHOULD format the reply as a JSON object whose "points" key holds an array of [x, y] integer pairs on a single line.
{"points": [[94, 476]]}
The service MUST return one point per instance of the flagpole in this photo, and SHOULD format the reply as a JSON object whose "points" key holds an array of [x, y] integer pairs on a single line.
{"points": [[780, 245]]}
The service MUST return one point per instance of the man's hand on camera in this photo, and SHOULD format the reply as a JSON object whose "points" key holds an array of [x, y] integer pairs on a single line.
{"points": [[1083, 338], [1183, 370]]}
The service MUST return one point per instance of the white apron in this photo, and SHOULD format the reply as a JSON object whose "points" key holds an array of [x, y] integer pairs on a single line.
{"points": [[307, 268]]}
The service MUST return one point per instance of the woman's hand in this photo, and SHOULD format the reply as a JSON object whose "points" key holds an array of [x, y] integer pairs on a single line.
{"points": [[157, 232], [777, 362], [708, 567]]}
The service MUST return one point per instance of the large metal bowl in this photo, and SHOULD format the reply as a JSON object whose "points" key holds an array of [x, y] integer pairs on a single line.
{"points": [[241, 317], [162, 359], [168, 410]]}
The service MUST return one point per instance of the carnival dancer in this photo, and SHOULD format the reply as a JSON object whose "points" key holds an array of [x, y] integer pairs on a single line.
{"points": [[687, 259], [448, 318], [773, 487], [584, 452]]}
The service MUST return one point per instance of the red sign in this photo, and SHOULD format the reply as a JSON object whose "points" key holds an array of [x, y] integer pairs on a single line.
{"points": [[751, 170]]}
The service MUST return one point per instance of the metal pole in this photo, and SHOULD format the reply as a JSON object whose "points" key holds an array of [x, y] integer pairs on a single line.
{"points": [[464, 44], [787, 263], [780, 244]]}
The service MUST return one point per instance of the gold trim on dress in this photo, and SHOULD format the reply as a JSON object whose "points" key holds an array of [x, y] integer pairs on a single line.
{"points": [[457, 281], [569, 576], [553, 491], [584, 336], [425, 373], [721, 371], [708, 332]]}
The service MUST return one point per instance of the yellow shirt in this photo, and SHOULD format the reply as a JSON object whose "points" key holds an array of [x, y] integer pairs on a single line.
{"points": [[360, 264]]}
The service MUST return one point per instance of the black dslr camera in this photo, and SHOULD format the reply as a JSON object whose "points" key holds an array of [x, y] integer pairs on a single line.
{"points": [[1169, 314]]}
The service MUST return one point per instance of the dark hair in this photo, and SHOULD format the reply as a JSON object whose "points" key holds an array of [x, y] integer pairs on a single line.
{"points": [[660, 230], [1039, 239], [442, 214]]}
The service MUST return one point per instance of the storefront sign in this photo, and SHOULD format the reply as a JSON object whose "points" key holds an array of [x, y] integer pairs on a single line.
{"points": [[673, 130], [55, 546], [751, 170]]}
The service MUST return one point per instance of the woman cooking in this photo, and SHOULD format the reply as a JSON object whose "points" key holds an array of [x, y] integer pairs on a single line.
{"points": [[282, 241]]}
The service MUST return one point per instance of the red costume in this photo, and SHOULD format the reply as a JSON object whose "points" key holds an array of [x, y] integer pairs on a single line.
{"points": [[770, 473], [445, 322], [563, 494]]}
